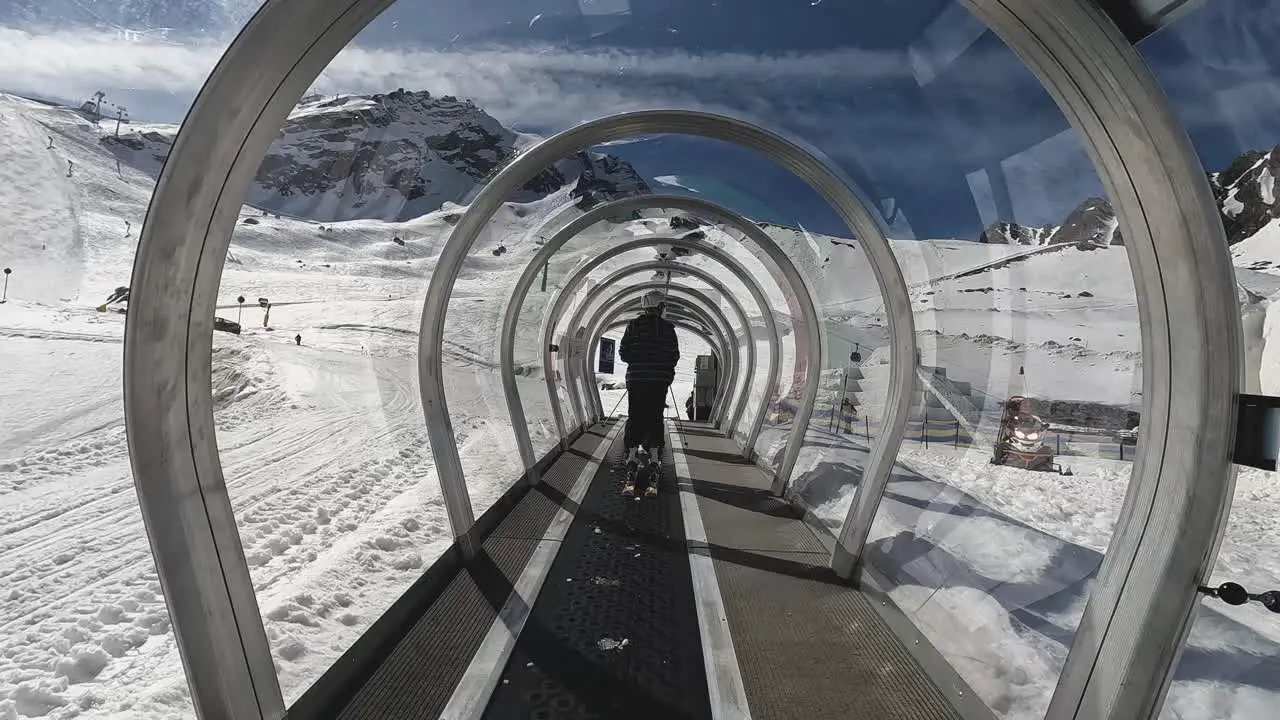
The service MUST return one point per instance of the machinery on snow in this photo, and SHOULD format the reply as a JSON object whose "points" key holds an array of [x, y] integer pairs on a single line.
{"points": [[1020, 440]]}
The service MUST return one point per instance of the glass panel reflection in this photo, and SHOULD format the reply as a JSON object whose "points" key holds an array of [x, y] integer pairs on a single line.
{"points": [[1019, 443], [1221, 70], [851, 398], [90, 100], [1017, 269], [315, 382]]}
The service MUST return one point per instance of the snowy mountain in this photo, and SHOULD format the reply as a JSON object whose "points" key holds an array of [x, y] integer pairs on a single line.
{"points": [[1092, 223], [1245, 191], [1007, 233], [323, 443], [392, 157]]}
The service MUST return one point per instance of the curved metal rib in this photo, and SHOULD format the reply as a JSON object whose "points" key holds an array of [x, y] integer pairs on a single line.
{"points": [[619, 302], [800, 161], [571, 284], [716, 285]]}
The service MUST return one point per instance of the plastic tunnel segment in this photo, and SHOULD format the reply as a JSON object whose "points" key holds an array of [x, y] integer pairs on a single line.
{"points": [[574, 281], [793, 156], [676, 309], [795, 289], [698, 273], [693, 321], [715, 321], [623, 301], [775, 261], [624, 297], [680, 322]]}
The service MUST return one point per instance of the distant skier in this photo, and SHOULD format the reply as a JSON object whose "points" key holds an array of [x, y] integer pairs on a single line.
{"points": [[651, 350], [298, 339]]}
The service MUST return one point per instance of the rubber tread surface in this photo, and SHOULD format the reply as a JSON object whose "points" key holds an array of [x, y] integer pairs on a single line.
{"points": [[622, 576], [530, 518], [808, 646], [418, 677]]}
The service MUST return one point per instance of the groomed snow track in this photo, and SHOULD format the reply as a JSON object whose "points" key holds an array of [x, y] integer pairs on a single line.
{"points": [[615, 628]]}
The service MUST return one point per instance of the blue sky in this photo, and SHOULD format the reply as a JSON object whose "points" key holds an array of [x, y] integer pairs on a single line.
{"points": [[927, 113]]}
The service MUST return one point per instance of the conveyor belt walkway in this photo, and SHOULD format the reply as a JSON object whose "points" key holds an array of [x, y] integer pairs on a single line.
{"points": [[713, 600]]}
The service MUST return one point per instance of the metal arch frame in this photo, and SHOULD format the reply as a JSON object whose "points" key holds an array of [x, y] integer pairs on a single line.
{"points": [[786, 275], [1137, 618], [789, 154], [573, 282], [723, 329], [715, 319], [706, 333], [611, 280], [564, 296], [623, 301], [725, 418], [1180, 490], [566, 233], [679, 323]]}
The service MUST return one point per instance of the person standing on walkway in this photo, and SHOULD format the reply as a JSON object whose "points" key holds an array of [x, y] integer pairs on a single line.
{"points": [[651, 350]]}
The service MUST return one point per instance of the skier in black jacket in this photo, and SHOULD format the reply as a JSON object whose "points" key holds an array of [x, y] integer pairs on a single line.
{"points": [[650, 349]]}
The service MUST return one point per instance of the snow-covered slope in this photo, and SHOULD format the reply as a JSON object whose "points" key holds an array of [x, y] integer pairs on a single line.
{"points": [[390, 157]]}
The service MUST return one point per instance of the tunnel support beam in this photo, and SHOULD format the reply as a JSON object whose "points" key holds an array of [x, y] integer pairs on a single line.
{"points": [[571, 284], [721, 410], [1136, 620], [1139, 613], [790, 155], [715, 319]]}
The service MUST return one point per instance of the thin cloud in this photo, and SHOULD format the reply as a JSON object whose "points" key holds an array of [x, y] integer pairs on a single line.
{"points": [[823, 97], [67, 63]]}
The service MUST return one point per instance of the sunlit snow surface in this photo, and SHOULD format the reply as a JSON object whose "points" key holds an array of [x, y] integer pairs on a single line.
{"points": [[329, 471]]}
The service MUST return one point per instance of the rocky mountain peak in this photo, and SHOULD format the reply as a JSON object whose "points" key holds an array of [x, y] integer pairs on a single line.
{"points": [[1245, 192], [395, 156]]}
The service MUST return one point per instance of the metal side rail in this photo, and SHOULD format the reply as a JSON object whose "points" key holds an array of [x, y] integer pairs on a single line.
{"points": [[807, 645]]}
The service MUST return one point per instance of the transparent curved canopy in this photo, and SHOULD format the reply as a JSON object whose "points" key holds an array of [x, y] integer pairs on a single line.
{"points": [[1024, 313]]}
